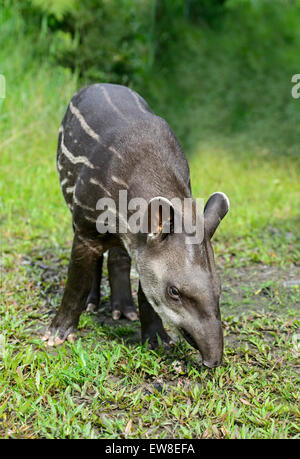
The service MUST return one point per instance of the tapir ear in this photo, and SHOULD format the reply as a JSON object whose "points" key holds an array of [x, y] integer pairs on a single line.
{"points": [[215, 210], [159, 221]]}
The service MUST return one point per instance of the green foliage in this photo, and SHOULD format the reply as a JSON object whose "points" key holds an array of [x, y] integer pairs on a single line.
{"points": [[112, 40], [233, 81], [217, 70], [57, 8]]}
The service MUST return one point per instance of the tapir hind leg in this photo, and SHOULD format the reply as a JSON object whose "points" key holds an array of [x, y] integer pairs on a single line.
{"points": [[84, 257], [118, 264], [93, 300], [151, 324]]}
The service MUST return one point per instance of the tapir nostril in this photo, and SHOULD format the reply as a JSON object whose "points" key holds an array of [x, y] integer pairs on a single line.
{"points": [[189, 338]]}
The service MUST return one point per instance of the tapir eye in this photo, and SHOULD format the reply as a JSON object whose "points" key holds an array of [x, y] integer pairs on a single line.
{"points": [[173, 292]]}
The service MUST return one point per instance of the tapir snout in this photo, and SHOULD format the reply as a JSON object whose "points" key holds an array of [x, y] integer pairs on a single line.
{"points": [[206, 338]]}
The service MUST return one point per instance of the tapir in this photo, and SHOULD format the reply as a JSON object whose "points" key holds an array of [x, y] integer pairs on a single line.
{"points": [[110, 140]]}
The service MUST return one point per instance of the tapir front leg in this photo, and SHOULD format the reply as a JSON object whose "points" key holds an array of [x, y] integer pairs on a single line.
{"points": [[81, 270], [119, 264], [151, 323]]}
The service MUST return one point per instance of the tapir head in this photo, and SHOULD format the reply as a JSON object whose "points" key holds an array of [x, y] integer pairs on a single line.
{"points": [[180, 281]]}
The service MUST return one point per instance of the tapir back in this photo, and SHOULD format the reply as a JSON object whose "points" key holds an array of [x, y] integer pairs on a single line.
{"points": [[109, 140]]}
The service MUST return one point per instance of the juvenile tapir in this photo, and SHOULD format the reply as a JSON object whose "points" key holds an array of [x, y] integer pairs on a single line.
{"points": [[110, 140]]}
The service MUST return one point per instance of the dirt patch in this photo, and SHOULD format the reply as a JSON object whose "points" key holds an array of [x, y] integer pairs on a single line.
{"points": [[260, 288], [258, 274]]}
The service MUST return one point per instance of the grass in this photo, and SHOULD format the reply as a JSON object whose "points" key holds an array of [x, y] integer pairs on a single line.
{"points": [[106, 385], [264, 191]]}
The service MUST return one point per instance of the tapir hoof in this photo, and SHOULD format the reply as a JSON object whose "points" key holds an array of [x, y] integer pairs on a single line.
{"points": [[212, 364], [153, 342], [91, 307], [131, 315], [56, 337], [127, 311]]}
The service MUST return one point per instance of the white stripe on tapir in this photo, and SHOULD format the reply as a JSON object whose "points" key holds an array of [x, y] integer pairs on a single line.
{"points": [[64, 181], [75, 159], [95, 182], [78, 203], [59, 166], [93, 220], [113, 150], [107, 97], [119, 181], [70, 189], [90, 247], [137, 101], [87, 129]]}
